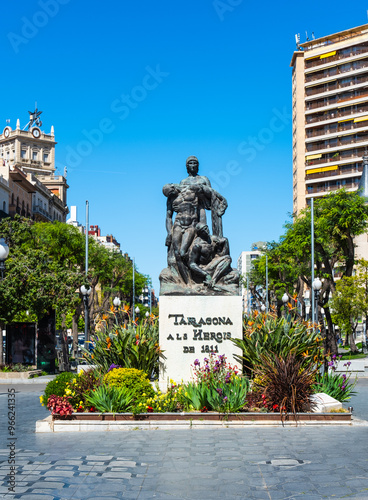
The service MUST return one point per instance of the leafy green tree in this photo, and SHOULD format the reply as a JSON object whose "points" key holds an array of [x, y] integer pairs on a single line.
{"points": [[35, 281], [338, 218], [347, 305], [350, 302], [46, 268]]}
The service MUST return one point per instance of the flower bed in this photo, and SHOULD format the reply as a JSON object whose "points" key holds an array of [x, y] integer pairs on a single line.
{"points": [[282, 384]]}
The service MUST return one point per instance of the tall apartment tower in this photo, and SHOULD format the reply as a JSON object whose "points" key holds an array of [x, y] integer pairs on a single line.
{"points": [[330, 113]]}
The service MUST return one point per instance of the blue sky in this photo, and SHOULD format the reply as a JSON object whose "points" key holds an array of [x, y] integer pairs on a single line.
{"points": [[134, 88]]}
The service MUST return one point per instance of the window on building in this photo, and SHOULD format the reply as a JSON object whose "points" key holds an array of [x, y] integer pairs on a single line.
{"points": [[46, 157], [34, 155], [23, 154], [4, 206]]}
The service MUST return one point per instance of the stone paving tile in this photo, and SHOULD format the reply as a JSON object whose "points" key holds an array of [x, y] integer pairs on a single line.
{"points": [[37, 497]]}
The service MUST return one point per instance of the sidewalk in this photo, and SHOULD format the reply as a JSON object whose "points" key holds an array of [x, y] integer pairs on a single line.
{"points": [[358, 367]]}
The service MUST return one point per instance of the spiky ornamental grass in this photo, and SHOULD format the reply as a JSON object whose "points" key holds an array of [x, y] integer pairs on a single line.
{"points": [[286, 384]]}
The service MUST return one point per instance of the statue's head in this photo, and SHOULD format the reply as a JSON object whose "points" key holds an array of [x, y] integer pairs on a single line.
{"points": [[192, 165], [170, 189], [202, 229]]}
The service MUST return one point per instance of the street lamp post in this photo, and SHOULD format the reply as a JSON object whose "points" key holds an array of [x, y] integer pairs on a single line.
{"points": [[307, 302], [316, 285], [116, 303], [4, 253], [285, 299], [137, 312], [86, 292]]}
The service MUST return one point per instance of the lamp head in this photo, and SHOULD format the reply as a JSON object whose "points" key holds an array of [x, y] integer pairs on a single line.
{"points": [[317, 284], [85, 291], [4, 249]]}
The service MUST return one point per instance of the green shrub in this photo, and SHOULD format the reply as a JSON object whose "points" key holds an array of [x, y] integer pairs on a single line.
{"points": [[267, 335], [77, 388], [216, 387], [131, 347], [57, 386], [136, 381], [110, 399], [160, 402], [222, 397], [336, 385]]}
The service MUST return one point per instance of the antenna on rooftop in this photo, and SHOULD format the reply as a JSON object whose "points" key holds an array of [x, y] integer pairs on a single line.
{"points": [[313, 37], [306, 36], [7, 121], [297, 40]]}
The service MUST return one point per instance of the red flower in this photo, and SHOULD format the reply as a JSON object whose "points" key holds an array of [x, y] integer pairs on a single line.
{"points": [[204, 410], [92, 409], [149, 409]]}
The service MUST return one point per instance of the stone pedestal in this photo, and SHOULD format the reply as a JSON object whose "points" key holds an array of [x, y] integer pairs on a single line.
{"points": [[193, 326]]}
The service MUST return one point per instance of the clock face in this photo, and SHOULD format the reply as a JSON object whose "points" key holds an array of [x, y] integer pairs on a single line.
{"points": [[36, 132], [6, 131]]}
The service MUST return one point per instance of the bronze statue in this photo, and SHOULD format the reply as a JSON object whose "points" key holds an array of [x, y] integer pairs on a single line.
{"points": [[198, 263]]}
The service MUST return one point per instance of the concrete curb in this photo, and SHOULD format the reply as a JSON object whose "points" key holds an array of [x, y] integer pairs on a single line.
{"points": [[49, 425], [37, 380]]}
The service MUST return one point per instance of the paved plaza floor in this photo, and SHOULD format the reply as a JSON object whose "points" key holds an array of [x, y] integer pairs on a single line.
{"points": [[306, 463]]}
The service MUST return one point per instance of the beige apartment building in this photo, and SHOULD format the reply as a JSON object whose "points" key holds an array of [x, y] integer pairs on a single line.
{"points": [[330, 114]]}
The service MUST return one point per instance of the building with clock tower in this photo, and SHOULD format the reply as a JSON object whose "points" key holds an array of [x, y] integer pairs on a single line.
{"points": [[29, 185]]}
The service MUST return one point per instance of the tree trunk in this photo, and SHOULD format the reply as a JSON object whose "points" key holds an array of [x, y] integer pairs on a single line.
{"points": [[352, 345], [330, 339]]}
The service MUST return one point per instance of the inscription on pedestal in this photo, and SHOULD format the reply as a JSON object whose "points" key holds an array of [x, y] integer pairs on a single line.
{"points": [[193, 327]]}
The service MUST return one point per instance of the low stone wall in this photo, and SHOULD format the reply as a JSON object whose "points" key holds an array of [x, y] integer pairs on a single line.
{"points": [[20, 375]]}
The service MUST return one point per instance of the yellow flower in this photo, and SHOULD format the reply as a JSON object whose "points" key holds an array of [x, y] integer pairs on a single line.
{"points": [[41, 400]]}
